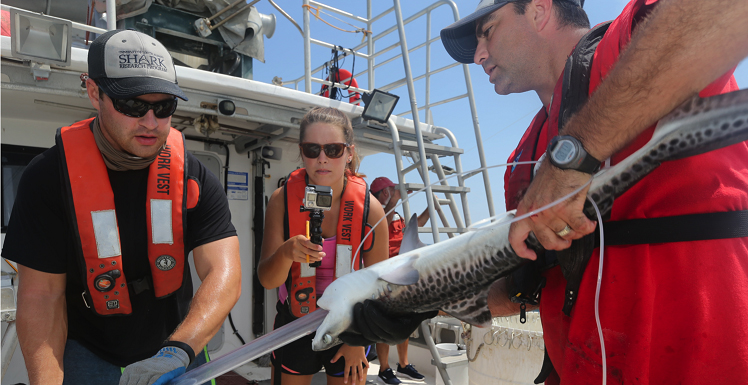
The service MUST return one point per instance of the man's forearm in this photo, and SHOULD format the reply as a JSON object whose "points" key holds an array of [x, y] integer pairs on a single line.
{"points": [[42, 332], [681, 48], [218, 293]]}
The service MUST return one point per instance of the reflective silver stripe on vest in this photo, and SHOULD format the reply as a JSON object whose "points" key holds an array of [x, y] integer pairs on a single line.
{"points": [[342, 260], [307, 271], [105, 231], [161, 221]]}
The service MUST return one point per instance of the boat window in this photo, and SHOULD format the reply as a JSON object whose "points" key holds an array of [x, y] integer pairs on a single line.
{"points": [[14, 162]]}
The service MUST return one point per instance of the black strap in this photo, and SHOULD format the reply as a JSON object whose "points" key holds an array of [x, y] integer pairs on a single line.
{"points": [[680, 228], [574, 94], [366, 224], [187, 349], [545, 370], [277, 370], [576, 79], [140, 285]]}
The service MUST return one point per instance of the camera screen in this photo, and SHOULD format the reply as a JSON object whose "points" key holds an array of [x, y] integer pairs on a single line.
{"points": [[324, 201]]}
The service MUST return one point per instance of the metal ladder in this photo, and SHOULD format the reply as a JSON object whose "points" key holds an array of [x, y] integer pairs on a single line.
{"points": [[419, 151]]}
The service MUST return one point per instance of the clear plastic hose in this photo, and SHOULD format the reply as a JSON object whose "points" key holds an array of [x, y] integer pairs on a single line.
{"points": [[279, 337]]}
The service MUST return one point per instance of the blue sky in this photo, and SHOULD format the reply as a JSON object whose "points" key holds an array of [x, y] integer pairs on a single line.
{"points": [[503, 119]]}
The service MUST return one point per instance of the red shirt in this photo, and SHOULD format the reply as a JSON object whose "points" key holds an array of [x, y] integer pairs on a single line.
{"points": [[671, 313]]}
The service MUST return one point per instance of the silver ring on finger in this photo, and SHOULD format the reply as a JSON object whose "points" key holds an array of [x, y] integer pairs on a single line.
{"points": [[564, 232]]}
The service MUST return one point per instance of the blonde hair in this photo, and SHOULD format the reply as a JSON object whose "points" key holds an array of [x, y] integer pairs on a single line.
{"points": [[333, 117]]}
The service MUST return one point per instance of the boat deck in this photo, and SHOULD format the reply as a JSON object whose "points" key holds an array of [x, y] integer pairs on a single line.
{"points": [[251, 373], [257, 375]]}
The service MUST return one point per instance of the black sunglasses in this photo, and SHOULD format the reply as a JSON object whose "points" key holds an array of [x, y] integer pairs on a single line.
{"points": [[332, 150], [136, 108]]}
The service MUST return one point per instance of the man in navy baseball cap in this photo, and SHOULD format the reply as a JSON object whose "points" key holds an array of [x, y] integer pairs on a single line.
{"points": [[460, 39]]}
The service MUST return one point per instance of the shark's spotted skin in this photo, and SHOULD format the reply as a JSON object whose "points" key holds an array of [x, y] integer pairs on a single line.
{"points": [[455, 275], [457, 287]]}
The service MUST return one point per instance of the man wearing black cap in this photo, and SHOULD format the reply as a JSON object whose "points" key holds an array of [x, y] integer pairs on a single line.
{"points": [[102, 227], [660, 310]]}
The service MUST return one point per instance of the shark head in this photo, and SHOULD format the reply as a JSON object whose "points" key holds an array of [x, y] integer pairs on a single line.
{"points": [[339, 299], [371, 283], [329, 331]]}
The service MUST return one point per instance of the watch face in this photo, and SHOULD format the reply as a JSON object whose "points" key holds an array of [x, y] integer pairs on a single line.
{"points": [[564, 152]]}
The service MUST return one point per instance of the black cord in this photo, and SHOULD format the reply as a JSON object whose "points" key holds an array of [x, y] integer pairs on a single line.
{"points": [[335, 75], [236, 332], [353, 71], [350, 81], [373, 237]]}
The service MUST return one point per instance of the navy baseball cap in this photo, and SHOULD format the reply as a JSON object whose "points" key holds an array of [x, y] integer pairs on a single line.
{"points": [[459, 38], [127, 64]]}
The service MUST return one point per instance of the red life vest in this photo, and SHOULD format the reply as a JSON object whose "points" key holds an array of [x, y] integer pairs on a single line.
{"points": [[354, 211], [517, 178], [396, 228], [91, 203]]}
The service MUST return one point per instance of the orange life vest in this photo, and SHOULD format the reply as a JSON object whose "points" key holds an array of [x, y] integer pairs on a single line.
{"points": [[354, 211], [91, 203]]}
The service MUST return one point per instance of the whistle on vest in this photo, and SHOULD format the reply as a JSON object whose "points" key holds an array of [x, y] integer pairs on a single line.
{"points": [[303, 296], [106, 281]]}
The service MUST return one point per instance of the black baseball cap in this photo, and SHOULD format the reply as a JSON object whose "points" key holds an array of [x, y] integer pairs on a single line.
{"points": [[459, 38], [128, 63]]}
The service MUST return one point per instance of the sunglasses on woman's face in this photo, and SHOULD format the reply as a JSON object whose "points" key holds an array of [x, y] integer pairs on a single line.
{"points": [[332, 150], [137, 108]]}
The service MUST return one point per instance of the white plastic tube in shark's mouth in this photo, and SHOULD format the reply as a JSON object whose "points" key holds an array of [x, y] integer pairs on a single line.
{"points": [[279, 337]]}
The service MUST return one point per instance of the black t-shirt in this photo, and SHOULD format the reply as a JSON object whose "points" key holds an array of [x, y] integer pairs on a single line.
{"points": [[41, 237]]}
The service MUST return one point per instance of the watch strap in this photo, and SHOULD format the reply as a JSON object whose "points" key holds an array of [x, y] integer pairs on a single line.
{"points": [[589, 164]]}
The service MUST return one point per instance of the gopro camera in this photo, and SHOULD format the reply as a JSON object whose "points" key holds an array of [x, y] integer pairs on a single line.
{"points": [[317, 197]]}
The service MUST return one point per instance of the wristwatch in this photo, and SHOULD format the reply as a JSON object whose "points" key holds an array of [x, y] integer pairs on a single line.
{"points": [[567, 153]]}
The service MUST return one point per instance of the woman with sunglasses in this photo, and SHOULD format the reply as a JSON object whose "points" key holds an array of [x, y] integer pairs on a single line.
{"points": [[329, 156]]}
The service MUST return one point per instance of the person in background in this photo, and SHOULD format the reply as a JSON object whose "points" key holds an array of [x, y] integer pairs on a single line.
{"points": [[102, 227], [328, 151], [388, 195]]}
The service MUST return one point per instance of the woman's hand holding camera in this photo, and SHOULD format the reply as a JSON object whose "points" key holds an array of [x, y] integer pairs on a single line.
{"points": [[298, 247]]}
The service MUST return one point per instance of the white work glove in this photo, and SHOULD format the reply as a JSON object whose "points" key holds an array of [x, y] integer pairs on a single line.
{"points": [[167, 364]]}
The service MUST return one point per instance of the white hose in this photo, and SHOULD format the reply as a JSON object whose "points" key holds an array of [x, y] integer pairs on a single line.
{"points": [[597, 290]]}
